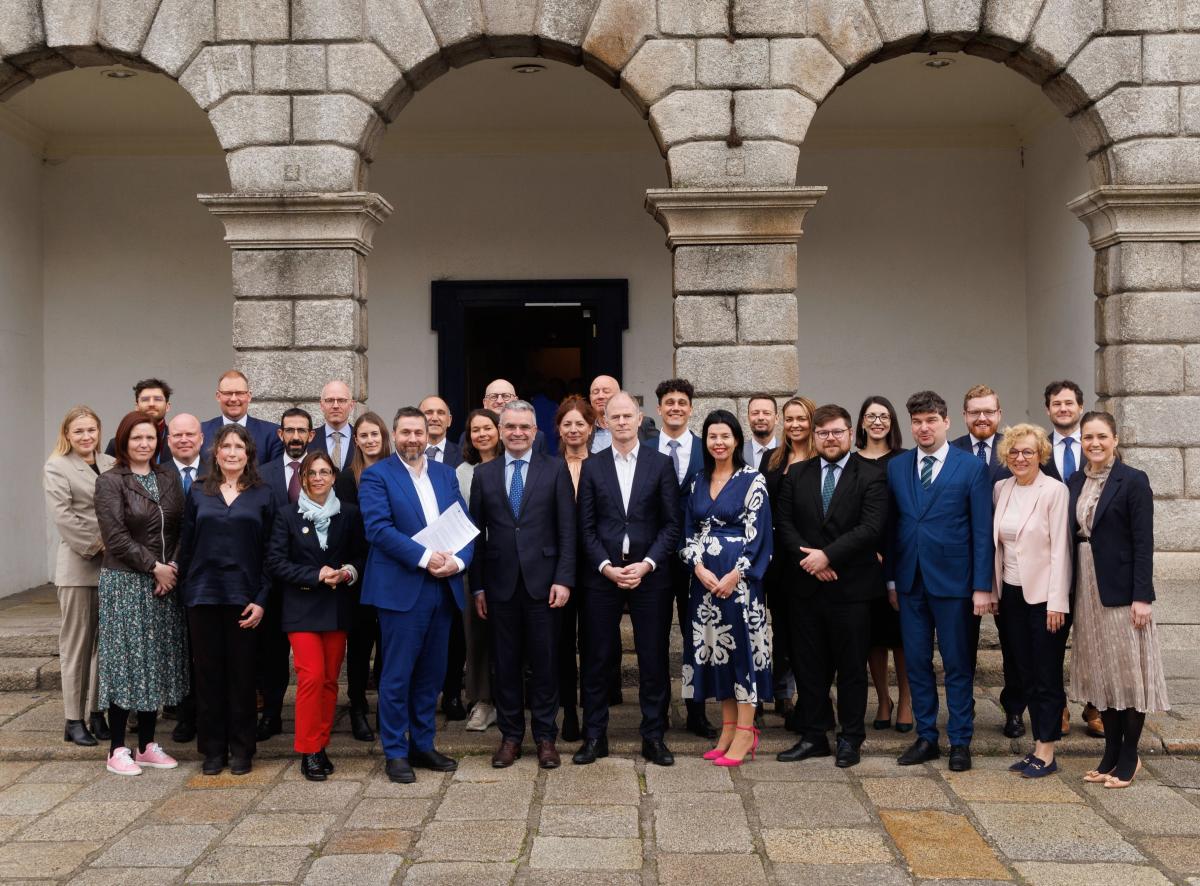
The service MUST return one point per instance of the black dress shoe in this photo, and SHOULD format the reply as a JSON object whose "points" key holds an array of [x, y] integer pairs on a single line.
{"points": [[184, 732], [75, 731], [1014, 726], [212, 765], [240, 766], [267, 726], [453, 708], [399, 771], [802, 750], [698, 724], [360, 726], [323, 759], [431, 759], [655, 750], [920, 751], [960, 757], [570, 725], [590, 751], [311, 768], [99, 727], [847, 755]]}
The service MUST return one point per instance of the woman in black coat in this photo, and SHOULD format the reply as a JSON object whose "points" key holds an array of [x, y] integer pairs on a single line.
{"points": [[317, 554]]}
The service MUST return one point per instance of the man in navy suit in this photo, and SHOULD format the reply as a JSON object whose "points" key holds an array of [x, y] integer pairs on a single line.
{"points": [[336, 437], [687, 457], [524, 506], [629, 520], [939, 560], [413, 589], [440, 448], [233, 399]]}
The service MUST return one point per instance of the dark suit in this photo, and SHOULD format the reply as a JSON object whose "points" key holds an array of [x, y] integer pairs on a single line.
{"points": [[997, 470], [1122, 535], [1051, 466], [319, 444], [830, 622], [272, 652], [652, 525], [451, 454], [264, 433], [518, 558]]}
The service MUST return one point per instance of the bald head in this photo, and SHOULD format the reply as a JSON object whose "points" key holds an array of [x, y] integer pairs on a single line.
{"points": [[184, 437], [601, 390], [337, 404], [498, 392], [437, 418]]}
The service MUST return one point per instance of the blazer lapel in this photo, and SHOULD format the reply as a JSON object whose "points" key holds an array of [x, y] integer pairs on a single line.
{"points": [[1038, 486], [1106, 494], [609, 466], [404, 480], [949, 469], [531, 477], [843, 482], [1006, 487]]}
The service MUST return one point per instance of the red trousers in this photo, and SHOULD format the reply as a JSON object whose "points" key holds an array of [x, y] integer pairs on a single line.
{"points": [[318, 659]]}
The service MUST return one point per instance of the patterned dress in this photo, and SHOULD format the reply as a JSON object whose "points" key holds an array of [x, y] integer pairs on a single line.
{"points": [[143, 644], [730, 653]]}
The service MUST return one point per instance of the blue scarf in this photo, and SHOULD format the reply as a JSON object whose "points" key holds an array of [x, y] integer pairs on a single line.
{"points": [[320, 515]]}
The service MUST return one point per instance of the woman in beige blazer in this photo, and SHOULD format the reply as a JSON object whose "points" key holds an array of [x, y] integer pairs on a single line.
{"points": [[1032, 581], [69, 479]]}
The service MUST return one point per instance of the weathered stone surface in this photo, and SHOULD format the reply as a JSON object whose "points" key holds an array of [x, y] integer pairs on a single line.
{"points": [[327, 19], [1190, 12], [1180, 854], [363, 70], [820, 804], [564, 22], [471, 840], [124, 24], [954, 17], [904, 792], [690, 115], [1191, 369], [125, 876], [941, 845], [589, 821], [159, 845], [1171, 58], [252, 22], [468, 801], [769, 18], [769, 267], [1139, 369], [292, 68], [688, 869], [1140, 265], [607, 782], [781, 114], [218, 71], [1153, 809], [1051, 873], [295, 168], [1141, 15], [276, 272], [805, 65], [732, 370], [85, 821], [732, 65], [34, 799], [898, 21], [693, 18], [456, 21], [55, 773], [506, 18], [20, 27], [279, 829], [586, 853], [362, 870], [305, 796], [1056, 832], [1150, 317], [618, 29], [836, 846], [1191, 463], [266, 864], [715, 164], [342, 119], [34, 861], [677, 827], [298, 377], [1134, 112], [657, 69], [457, 873], [400, 27], [1191, 265], [846, 27], [242, 120], [688, 775], [1190, 109], [369, 841], [70, 22], [1062, 28], [178, 30], [999, 786], [1164, 467], [1177, 528], [844, 875], [1103, 64], [205, 807]]}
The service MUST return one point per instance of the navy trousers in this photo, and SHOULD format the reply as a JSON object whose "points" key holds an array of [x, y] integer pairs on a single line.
{"points": [[525, 630], [414, 666]]}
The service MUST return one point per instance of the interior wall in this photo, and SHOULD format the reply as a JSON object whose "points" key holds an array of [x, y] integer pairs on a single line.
{"points": [[21, 390]]}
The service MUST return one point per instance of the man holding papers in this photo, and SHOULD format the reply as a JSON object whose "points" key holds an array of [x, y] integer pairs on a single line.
{"points": [[413, 587]]}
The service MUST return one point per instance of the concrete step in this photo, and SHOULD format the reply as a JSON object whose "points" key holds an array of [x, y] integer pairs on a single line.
{"points": [[29, 672]]}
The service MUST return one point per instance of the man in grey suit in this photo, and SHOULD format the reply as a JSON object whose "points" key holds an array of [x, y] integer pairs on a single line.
{"points": [[762, 415]]}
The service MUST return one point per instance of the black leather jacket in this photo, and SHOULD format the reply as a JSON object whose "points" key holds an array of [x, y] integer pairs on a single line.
{"points": [[137, 531]]}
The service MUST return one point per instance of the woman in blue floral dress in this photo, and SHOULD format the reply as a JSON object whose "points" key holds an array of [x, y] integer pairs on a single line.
{"points": [[727, 542]]}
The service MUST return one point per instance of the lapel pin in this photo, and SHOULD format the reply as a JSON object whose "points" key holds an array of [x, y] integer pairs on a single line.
{"points": [[304, 529]]}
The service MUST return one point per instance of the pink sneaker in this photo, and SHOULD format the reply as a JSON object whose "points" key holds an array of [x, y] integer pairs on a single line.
{"points": [[155, 757], [121, 763]]}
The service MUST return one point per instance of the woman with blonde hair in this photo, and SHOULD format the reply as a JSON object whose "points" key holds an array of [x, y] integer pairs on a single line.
{"points": [[69, 481]]}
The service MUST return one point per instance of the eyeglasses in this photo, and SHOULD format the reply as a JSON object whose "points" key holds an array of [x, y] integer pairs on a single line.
{"points": [[336, 401], [320, 473], [499, 398], [832, 434], [229, 395], [1021, 454], [982, 413], [877, 418], [295, 432]]}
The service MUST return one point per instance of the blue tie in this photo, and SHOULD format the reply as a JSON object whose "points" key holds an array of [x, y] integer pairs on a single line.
{"points": [[1068, 459], [828, 486], [516, 489], [981, 451], [927, 471], [187, 480]]}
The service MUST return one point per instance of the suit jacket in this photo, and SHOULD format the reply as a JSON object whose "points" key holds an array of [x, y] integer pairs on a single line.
{"points": [[70, 486], [1050, 469], [275, 475], [945, 531], [652, 521], [264, 433], [538, 545], [850, 533], [392, 515], [694, 467], [318, 444], [997, 470], [1122, 534], [295, 558], [1043, 545]]}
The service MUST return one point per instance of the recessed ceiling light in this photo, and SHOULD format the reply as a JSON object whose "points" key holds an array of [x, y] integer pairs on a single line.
{"points": [[119, 73], [938, 61], [529, 68]]}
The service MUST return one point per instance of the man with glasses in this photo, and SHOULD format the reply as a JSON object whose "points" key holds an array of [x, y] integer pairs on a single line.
{"points": [[336, 436], [832, 512], [233, 399], [498, 394], [153, 397]]}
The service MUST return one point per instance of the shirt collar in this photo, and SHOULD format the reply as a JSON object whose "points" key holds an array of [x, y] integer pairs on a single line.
{"points": [[509, 458], [633, 453], [229, 421], [841, 462], [1058, 438], [415, 473], [195, 465], [440, 446], [940, 454]]}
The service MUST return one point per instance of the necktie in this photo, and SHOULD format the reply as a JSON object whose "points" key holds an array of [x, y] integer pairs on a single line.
{"points": [[516, 488], [927, 471], [828, 486], [673, 445], [187, 480], [337, 449], [981, 451], [432, 453], [1068, 459], [294, 482]]}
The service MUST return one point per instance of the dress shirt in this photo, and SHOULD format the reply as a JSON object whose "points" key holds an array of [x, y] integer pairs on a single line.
{"points": [[940, 455], [987, 447], [759, 450], [685, 451], [601, 438], [840, 465], [440, 446], [288, 469], [344, 433], [626, 467], [1059, 449], [194, 465], [429, 505], [509, 461], [226, 420]]}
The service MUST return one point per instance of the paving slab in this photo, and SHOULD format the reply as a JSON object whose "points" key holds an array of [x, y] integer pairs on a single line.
{"points": [[478, 767], [1001, 786], [688, 775], [37, 860], [381, 812], [906, 793], [841, 875], [45, 716], [125, 876], [10, 771], [345, 769], [34, 799], [687, 869], [10, 824], [589, 821], [702, 822], [612, 781], [471, 841], [474, 801], [205, 807], [158, 846], [552, 877], [941, 845], [370, 840], [459, 873], [265, 864], [1180, 854], [280, 829], [88, 821], [307, 796], [826, 846], [428, 784], [1052, 832], [586, 853], [816, 804], [1148, 808], [820, 769], [361, 870], [64, 773], [152, 784], [1043, 873], [264, 772]]}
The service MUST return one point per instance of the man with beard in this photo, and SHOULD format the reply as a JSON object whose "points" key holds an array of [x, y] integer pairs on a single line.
{"points": [[413, 589], [982, 416], [762, 415], [153, 397], [336, 437]]}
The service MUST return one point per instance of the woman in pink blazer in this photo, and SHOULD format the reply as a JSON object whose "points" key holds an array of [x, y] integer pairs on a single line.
{"points": [[1032, 581]]}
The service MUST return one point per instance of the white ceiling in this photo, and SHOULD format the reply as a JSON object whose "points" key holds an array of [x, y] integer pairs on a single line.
{"points": [[488, 105]]}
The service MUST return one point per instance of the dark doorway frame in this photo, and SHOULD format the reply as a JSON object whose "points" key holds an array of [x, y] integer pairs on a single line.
{"points": [[451, 300]]}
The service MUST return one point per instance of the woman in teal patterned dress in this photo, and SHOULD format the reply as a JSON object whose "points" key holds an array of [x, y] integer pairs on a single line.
{"points": [[143, 646]]}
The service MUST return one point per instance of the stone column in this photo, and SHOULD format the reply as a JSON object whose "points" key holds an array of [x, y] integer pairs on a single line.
{"points": [[1147, 241], [300, 290], [736, 320]]}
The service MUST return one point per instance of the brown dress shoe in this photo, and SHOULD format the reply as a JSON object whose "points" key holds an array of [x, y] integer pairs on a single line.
{"points": [[548, 754], [506, 754], [1095, 726], [1066, 721]]}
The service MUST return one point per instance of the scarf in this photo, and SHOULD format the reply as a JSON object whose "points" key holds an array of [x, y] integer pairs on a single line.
{"points": [[320, 515]]}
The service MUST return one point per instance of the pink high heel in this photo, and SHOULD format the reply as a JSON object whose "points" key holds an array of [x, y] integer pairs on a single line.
{"points": [[729, 762], [717, 752]]}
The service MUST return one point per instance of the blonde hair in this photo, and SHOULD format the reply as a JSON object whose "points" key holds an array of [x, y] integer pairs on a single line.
{"points": [[1018, 432], [63, 445], [779, 455]]}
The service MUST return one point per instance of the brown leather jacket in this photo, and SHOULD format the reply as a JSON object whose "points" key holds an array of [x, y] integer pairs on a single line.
{"points": [[139, 532]]}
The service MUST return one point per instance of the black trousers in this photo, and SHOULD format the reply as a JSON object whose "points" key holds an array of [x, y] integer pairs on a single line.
{"points": [[224, 658], [1037, 656], [781, 653], [456, 657], [830, 637], [363, 635], [525, 630], [681, 583], [1012, 696], [272, 657], [602, 608], [570, 640]]}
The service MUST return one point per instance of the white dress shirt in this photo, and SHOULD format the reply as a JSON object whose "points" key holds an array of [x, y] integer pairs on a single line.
{"points": [[226, 420], [181, 467], [987, 447], [344, 433], [759, 450], [429, 504], [940, 455], [1060, 448], [601, 438], [626, 466], [685, 451], [440, 446]]}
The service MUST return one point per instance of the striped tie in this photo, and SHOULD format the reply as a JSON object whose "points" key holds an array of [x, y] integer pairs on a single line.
{"points": [[927, 471]]}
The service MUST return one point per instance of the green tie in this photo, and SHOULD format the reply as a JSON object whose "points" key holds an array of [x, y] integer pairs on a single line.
{"points": [[827, 486], [927, 471]]}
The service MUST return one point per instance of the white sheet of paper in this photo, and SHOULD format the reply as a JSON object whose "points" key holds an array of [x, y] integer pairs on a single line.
{"points": [[451, 531]]}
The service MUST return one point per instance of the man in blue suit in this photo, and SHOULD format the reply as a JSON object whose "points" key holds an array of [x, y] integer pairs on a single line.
{"points": [[233, 398], [414, 589], [939, 560]]}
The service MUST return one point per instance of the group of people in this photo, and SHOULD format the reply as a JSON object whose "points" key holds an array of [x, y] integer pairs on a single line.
{"points": [[199, 563]]}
